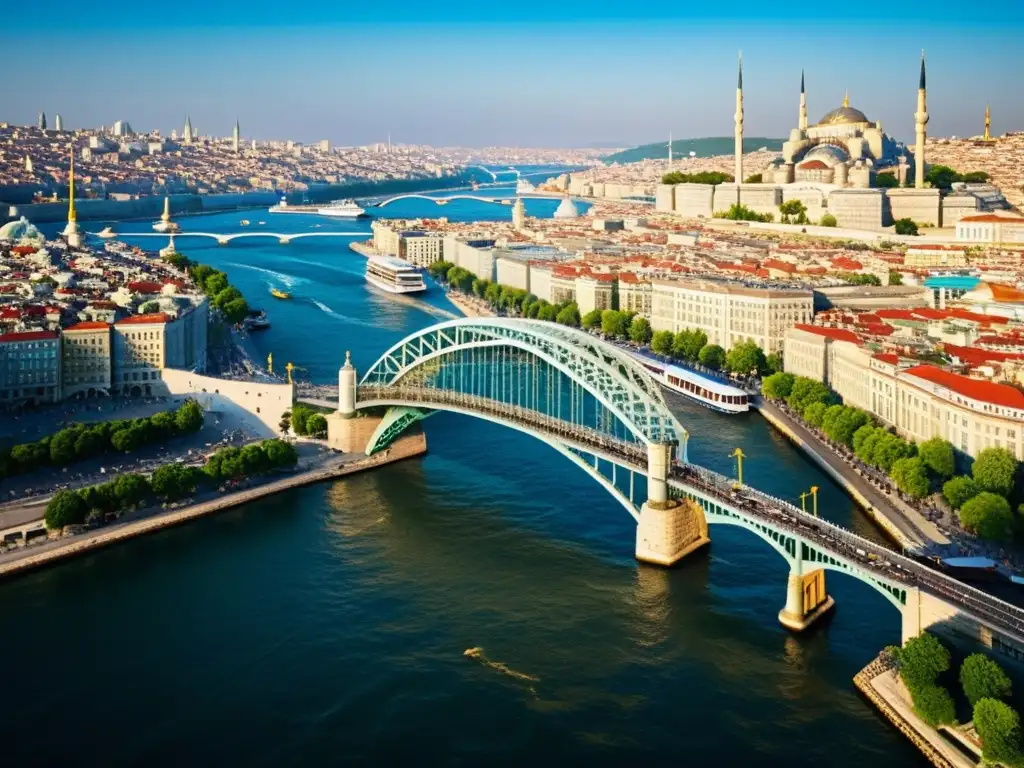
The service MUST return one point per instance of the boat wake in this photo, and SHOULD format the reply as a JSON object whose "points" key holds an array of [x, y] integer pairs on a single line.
{"points": [[289, 281], [338, 316], [477, 653]]}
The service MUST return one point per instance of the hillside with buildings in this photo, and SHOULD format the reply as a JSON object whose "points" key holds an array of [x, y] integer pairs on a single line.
{"points": [[681, 148], [1002, 158]]}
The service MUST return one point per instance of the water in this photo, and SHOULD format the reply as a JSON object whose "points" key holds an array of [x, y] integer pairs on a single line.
{"points": [[328, 625]]}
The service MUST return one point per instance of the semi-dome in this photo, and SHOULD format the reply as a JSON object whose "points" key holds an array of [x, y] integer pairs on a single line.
{"points": [[829, 154]]}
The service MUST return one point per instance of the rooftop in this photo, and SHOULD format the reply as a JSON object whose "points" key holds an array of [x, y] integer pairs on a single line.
{"points": [[975, 389]]}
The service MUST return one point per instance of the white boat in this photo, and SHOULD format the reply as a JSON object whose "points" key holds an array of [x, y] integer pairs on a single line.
{"points": [[342, 209], [107, 233], [707, 391], [394, 275], [167, 227]]}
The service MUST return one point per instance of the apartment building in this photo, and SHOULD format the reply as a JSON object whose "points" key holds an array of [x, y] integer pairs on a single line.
{"points": [[29, 368], [729, 313], [420, 249], [139, 352], [596, 291], [634, 294], [85, 359]]}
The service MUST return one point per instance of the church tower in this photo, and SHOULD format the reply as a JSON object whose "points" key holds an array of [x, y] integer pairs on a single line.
{"points": [[71, 232], [235, 136], [803, 105], [739, 124], [920, 121], [988, 123]]}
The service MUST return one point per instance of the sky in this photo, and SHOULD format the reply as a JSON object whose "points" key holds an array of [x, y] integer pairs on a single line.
{"points": [[554, 73]]}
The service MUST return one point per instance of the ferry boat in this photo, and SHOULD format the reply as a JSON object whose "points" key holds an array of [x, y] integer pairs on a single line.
{"points": [[256, 321], [342, 209], [707, 391], [279, 294], [394, 275]]}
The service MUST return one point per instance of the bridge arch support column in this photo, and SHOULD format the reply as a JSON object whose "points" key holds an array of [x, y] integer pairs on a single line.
{"points": [[807, 600], [668, 529]]}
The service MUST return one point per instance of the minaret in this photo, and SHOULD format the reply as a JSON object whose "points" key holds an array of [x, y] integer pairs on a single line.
{"points": [[235, 136], [165, 217], [187, 134], [58, 122], [519, 215], [988, 123], [71, 233], [920, 121], [803, 104], [739, 125], [670, 150], [41, 123]]}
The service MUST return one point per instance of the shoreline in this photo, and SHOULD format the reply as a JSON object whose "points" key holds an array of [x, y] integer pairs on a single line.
{"points": [[404, 448]]}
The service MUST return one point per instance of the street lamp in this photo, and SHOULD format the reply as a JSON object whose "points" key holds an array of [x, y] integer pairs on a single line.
{"points": [[803, 501], [814, 494], [738, 455]]}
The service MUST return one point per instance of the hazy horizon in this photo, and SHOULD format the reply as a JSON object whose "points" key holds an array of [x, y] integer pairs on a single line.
{"points": [[524, 75]]}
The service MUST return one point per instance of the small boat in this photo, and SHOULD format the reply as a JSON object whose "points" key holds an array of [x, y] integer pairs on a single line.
{"points": [[972, 568], [279, 294], [244, 222], [106, 233], [256, 321], [261, 223]]}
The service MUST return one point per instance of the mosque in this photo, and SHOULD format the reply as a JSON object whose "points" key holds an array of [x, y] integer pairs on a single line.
{"points": [[832, 167]]}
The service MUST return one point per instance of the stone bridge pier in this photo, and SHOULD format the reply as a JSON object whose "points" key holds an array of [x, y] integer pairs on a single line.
{"points": [[668, 529], [806, 597]]}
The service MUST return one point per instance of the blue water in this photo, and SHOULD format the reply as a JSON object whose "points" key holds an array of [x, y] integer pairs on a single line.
{"points": [[328, 625]]}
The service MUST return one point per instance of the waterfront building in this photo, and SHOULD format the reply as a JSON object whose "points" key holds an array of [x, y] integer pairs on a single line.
{"points": [[540, 280], [420, 249], [635, 294], [805, 349], [513, 271], [85, 360], [138, 353], [563, 285], [596, 291], [29, 368], [729, 313], [994, 227], [474, 254]]}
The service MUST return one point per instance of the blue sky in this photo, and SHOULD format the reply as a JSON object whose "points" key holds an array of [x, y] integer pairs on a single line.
{"points": [[523, 72]]}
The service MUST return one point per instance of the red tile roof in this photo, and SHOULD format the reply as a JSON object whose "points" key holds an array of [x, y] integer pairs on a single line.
{"points": [[813, 165], [989, 218], [895, 314], [982, 391], [11, 338], [87, 326], [156, 317], [143, 286], [839, 334], [887, 357]]}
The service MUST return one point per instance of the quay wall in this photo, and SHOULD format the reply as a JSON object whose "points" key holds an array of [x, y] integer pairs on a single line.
{"points": [[403, 448], [142, 208]]}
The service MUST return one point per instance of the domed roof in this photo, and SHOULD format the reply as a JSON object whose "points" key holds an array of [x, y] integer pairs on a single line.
{"points": [[21, 229], [566, 209], [844, 115]]}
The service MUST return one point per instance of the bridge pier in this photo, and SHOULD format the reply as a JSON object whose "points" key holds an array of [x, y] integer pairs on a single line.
{"points": [[806, 597], [668, 530], [342, 433]]}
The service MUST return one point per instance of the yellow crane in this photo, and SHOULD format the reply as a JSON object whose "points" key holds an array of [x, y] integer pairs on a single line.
{"points": [[814, 495], [739, 456]]}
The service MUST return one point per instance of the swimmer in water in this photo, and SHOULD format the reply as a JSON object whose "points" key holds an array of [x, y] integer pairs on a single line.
{"points": [[478, 653]]}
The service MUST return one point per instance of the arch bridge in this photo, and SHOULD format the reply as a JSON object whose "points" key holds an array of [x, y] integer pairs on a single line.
{"points": [[225, 239], [598, 407]]}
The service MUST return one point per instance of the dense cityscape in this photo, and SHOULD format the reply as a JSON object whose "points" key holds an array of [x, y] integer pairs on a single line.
{"points": [[813, 352]]}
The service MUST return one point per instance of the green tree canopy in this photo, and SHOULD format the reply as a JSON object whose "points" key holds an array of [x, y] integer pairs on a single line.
{"points": [[592, 319], [547, 311], [65, 508], [905, 227], [778, 385], [806, 391], [236, 310], [569, 315], [937, 455], [922, 659], [227, 295], [661, 342], [175, 481], [62, 446], [712, 356], [316, 426], [745, 357], [828, 220], [982, 678], [255, 460], [130, 489], [793, 212], [895, 278], [215, 283], [773, 363], [613, 323], [814, 414], [910, 476], [688, 343], [995, 470], [886, 180], [280, 453], [960, 490], [933, 704], [941, 176], [189, 417], [989, 516], [998, 727], [704, 177], [740, 212], [640, 330]]}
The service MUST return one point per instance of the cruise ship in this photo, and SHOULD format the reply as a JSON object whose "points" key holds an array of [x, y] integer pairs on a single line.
{"points": [[393, 275], [342, 209], [705, 390]]}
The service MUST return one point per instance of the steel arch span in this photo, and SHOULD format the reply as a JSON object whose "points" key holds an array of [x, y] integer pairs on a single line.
{"points": [[613, 378]]}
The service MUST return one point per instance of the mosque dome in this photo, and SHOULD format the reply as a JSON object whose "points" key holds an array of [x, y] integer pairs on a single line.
{"points": [[566, 209], [844, 115], [21, 229], [829, 154]]}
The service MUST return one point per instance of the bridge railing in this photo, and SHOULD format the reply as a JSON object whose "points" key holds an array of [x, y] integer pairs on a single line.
{"points": [[834, 538], [630, 452]]}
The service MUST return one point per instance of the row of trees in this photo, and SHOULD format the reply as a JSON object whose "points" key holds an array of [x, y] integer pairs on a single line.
{"points": [[169, 483], [981, 498], [305, 421], [923, 662], [703, 177], [84, 441], [215, 285]]}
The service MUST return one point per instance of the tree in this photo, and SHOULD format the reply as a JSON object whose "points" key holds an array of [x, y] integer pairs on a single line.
{"points": [[640, 331], [439, 270], [910, 476], [316, 426], [806, 391], [174, 481], [740, 212], [703, 177], [227, 295], [215, 283], [895, 278], [989, 516], [254, 459], [62, 447], [905, 227], [778, 385], [814, 414], [793, 212], [994, 470], [126, 440], [236, 310], [130, 489], [280, 453], [151, 307], [712, 356], [189, 417], [922, 659], [933, 704], [773, 363], [569, 315], [492, 292], [163, 423], [937, 455], [886, 181], [861, 435], [89, 443], [941, 176], [661, 342], [982, 678], [866, 450], [29, 456], [974, 177], [592, 319], [998, 727], [199, 273], [547, 311], [65, 508], [300, 414], [745, 357], [960, 490], [754, 178], [888, 448], [828, 220], [613, 323], [688, 344]]}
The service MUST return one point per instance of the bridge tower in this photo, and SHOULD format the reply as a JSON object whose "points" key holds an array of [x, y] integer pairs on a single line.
{"points": [[668, 530], [347, 387], [806, 597]]}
